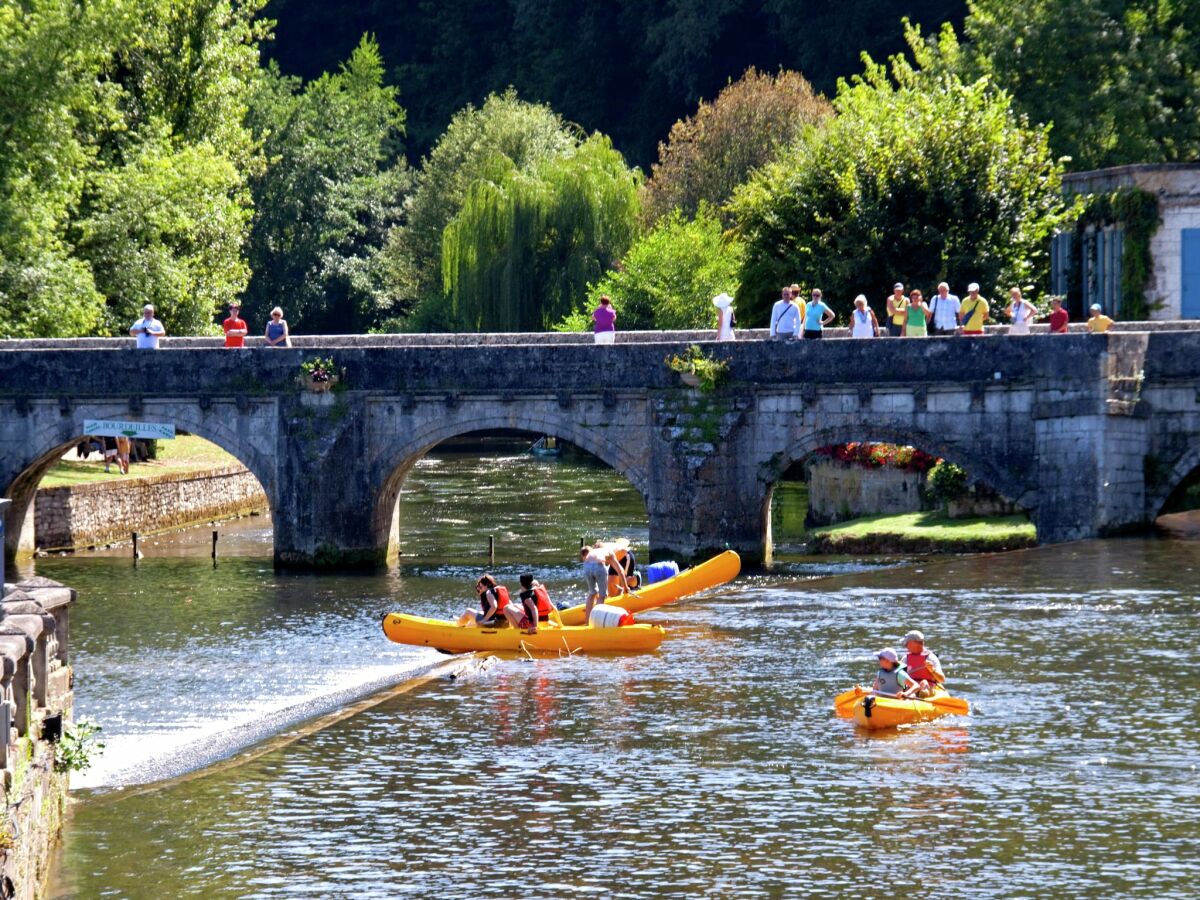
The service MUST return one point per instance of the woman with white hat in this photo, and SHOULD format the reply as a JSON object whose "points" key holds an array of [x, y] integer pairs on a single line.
{"points": [[725, 317]]}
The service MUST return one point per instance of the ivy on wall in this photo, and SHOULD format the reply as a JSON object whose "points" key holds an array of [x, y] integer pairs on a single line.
{"points": [[1136, 210]]}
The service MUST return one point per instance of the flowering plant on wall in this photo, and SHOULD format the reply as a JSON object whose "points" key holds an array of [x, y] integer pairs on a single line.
{"points": [[879, 456]]}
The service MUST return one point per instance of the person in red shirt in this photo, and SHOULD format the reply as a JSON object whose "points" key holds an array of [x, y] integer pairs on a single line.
{"points": [[1058, 316], [235, 328]]}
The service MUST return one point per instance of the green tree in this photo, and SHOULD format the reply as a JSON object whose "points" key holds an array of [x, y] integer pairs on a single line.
{"points": [[920, 177], [333, 188], [526, 243], [670, 275], [709, 154], [505, 127], [1119, 80]]}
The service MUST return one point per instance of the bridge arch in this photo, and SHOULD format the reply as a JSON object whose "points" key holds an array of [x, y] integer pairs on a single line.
{"points": [[395, 465], [52, 430], [802, 446], [1186, 468]]}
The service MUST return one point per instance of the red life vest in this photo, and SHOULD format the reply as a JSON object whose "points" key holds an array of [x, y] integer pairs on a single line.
{"points": [[541, 597], [917, 670], [501, 593]]}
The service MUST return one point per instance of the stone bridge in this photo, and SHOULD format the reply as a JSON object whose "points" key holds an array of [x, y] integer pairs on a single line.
{"points": [[1089, 433]]}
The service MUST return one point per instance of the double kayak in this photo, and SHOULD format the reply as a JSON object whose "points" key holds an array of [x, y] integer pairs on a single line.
{"points": [[722, 568], [874, 713], [450, 637]]}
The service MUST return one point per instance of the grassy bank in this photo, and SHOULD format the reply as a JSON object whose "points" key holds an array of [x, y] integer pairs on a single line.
{"points": [[186, 453], [923, 532]]}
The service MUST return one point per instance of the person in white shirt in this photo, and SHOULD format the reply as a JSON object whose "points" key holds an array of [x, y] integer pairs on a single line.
{"points": [[785, 317], [945, 308], [1021, 311], [863, 323], [148, 329]]}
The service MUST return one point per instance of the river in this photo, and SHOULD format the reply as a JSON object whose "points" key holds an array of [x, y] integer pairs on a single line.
{"points": [[712, 767]]}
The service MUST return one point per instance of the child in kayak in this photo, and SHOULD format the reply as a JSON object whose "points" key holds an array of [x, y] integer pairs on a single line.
{"points": [[891, 680], [922, 665], [493, 599], [535, 606]]}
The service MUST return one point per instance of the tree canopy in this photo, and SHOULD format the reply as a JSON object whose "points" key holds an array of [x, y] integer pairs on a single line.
{"points": [[921, 176], [709, 154]]}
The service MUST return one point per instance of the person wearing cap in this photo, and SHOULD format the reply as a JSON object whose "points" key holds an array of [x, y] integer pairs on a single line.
{"points": [[817, 316], [974, 311], [922, 665], [148, 329], [785, 316], [725, 317], [1058, 316], [897, 310], [235, 327], [1098, 322], [891, 680]]}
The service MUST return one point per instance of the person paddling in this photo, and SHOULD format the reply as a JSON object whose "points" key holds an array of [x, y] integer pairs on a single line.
{"points": [[493, 598], [535, 606], [891, 680], [922, 665]]}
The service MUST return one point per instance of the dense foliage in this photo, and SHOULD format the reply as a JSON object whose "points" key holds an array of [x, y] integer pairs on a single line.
{"points": [[1120, 81], [627, 68], [670, 276], [123, 161], [709, 154], [920, 177], [327, 200]]}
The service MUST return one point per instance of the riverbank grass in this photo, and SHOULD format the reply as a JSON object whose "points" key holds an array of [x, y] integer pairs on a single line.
{"points": [[924, 532], [186, 454]]}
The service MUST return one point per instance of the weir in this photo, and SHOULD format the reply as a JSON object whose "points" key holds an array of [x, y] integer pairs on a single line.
{"points": [[1089, 434]]}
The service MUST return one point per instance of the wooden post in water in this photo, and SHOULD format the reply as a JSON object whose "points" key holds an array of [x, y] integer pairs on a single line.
{"points": [[135, 549], [214, 550], [491, 549]]}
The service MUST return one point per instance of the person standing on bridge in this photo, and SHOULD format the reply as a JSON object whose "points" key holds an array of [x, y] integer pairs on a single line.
{"points": [[1021, 311], [817, 316], [916, 321], [863, 323], [974, 311], [785, 316], [897, 310], [277, 330], [945, 311], [235, 327], [725, 317], [1098, 322], [1058, 316], [605, 319], [148, 329]]}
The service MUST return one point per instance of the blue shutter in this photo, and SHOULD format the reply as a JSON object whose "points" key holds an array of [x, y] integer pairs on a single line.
{"points": [[1190, 246]]}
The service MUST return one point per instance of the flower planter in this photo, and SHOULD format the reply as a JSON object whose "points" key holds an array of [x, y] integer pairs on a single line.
{"points": [[317, 387], [691, 379]]}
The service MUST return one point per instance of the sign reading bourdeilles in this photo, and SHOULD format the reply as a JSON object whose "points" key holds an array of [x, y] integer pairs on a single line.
{"points": [[155, 431]]}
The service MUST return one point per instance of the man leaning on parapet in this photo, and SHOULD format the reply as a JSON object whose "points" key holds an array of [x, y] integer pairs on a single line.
{"points": [[148, 329], [785, 317]]}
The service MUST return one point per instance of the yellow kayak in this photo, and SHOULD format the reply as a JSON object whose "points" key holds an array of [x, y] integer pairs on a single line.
{"points": [[721, 568], [874, 713], [451, 637]]}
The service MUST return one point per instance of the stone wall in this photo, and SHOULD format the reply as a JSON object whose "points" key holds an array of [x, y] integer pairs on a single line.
{"points": [[35, 708], [89, 514], [838, 492]]}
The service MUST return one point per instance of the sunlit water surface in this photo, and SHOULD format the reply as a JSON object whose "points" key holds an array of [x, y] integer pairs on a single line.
{"points": [[712, 767]]}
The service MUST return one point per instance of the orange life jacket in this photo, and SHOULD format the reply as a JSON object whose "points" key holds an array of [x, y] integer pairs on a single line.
{"points": [[501, 598]]}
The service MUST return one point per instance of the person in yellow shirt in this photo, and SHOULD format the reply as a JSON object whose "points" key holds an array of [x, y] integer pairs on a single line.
{"points": [[798, 302], [1098, 322], [897, 307], [974, 311]]}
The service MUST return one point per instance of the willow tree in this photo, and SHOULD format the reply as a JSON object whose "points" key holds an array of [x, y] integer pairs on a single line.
{"points": [[526, 243]]}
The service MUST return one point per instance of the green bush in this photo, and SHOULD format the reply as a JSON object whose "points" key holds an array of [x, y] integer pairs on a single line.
{"points": [[946, 482], [75, 749], [710, 372]]}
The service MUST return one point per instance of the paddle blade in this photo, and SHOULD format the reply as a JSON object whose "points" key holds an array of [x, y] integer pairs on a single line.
{"points": [[955, 705], [845, 700]]}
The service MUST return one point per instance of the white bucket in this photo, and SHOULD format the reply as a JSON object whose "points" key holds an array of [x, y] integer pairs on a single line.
{"points": [[605, 615]]}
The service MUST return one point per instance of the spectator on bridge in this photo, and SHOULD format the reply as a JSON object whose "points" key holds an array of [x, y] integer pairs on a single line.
{"points": [[785, 317], [1058, 316], [945, 311], [725, 317], [1021, 311], [863, 323], [916, 321], [277, 334], [605, 319], [235, 327], [974, 311], [817, 316], [897, 306], [148, 329], [1098, 322]]}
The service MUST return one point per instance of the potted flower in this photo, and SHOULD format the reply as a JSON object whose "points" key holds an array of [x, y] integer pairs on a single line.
{"points": [[318, 374], [698, 370]]}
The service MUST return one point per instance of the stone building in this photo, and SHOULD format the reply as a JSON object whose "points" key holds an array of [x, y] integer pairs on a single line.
{"points": [[1087, 264]]}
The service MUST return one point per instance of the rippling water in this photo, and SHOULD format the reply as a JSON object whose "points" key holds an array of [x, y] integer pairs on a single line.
{"points": [[713, 767]]}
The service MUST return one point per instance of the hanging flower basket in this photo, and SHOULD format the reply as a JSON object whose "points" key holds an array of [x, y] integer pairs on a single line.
{"points": [[318, 375], [691, 379]]}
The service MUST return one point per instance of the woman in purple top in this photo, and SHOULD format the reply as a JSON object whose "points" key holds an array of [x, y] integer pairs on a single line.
{"points": [[605, 316]]}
